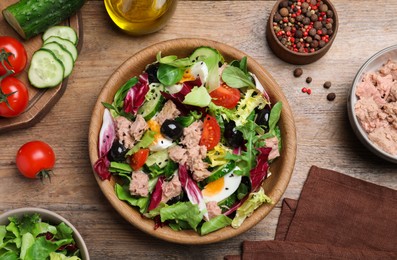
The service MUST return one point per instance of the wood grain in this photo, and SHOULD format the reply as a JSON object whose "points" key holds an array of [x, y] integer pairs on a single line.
{"points": [[40, 100], [324, 135]]}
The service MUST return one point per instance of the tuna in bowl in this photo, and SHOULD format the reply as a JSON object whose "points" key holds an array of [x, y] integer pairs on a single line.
{"points": [[372, 104], [164, 144]]}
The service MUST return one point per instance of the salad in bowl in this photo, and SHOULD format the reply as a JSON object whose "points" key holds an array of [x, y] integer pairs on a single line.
{"points": [[189, 141]]}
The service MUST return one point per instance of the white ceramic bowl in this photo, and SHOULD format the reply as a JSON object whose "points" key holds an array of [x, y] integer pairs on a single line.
{"points": [[371, 65], [50, 217]]}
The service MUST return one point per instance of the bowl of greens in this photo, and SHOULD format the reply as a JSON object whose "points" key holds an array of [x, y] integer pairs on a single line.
{"points": [[192, 141], [36, 233]]}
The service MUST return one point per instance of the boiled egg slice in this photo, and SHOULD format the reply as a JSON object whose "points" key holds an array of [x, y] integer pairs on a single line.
{"points": [[221, 188], [200, 69], [160, 142]]}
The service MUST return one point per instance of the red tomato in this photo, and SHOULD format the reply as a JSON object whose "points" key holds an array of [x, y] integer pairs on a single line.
{"points": [[35, 159], [139, 158], [18, 57], [14, 97], [225, 96], [211, 133]]}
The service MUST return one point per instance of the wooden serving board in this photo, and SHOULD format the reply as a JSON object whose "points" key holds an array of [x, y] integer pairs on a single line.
{"points": [[40, 100]]}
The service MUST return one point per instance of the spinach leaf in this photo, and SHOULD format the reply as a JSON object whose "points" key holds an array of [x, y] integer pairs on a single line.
{"points": [[236, 78], [169, 75]]}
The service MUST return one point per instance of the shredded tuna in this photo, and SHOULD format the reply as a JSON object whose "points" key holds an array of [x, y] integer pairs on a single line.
{"points": [[192, 154], [376, 108], [213, 209], [139, 185], [169, 111], [129, 132], [171, 189], [273, 143]]}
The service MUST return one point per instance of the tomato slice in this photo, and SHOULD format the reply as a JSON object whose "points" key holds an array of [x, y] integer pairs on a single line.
{"points": [[211, 133], [225, 96], [139, 158]]}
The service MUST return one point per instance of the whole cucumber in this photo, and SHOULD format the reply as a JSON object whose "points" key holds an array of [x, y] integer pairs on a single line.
{"points": [[31, 17]]}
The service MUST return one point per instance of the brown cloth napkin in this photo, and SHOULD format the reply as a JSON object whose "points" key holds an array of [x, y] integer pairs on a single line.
{"points": [[336, 217]]}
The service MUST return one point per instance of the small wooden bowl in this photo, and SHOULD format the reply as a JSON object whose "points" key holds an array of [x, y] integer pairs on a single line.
{"points": [[281, 169], [293, 57]]}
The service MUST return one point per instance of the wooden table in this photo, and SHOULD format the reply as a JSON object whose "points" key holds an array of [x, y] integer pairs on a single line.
{"points": [[324, 134]]}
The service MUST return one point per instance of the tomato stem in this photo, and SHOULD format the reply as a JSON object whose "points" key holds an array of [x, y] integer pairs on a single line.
{"points": [[4, 58], [45, 174]]}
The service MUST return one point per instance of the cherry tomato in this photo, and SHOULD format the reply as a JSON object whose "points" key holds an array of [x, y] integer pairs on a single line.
{"points": [[18, 57], [14, 97], [211, 133], [225, 96], [35, 159], [139, 158]]}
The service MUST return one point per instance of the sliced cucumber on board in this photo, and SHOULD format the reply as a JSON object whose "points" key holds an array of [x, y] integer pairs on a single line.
{"points": [[31, 17], [63, 55], [64, 32], [68, 45], [45, 69]]}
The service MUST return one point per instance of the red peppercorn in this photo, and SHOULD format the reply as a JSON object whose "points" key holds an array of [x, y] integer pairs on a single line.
{"points": [[319, 32], [309, 91], [304, 90], [292, 39]]}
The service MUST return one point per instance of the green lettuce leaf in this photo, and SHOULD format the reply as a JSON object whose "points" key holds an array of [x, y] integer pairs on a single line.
{"points": [[58, 256], [253, 202], [214, 224], [182, 212]]}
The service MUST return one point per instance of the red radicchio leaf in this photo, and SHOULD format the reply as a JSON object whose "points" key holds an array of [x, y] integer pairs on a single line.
{"points": [[136, 95], [107, 135], [192, 190], [259, 173], [101, 167], [157, 193]]}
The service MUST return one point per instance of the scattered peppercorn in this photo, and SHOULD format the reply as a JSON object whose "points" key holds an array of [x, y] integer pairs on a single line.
{"points": [[327, 84], [309, 91], [331, 96], [303, 26], [304, 90], [308, 79], [298, 72]]}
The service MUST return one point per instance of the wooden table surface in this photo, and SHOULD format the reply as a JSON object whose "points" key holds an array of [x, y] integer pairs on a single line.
{"points": [[325, 137]]}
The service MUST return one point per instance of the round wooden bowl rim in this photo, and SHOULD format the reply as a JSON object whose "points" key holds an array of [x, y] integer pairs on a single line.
{"points": [[184, 46], [305, 55]]}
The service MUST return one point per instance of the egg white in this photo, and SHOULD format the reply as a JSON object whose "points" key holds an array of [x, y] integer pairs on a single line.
{"points": [[231, 184], [161, 143], [200, 69]]}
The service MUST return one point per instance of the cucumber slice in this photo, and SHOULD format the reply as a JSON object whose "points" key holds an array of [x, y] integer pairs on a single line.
{"points": [[45, 70], [68, 45], [160, 158], [154, 102], [220, 171], [63, 55], [65, 32]]}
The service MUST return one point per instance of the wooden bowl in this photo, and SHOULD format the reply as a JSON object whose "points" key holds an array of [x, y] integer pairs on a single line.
{"points": [[293, 57], [49, 217], [281, 169]]}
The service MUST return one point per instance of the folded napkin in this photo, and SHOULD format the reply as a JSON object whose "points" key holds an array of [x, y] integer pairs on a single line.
{"points": [[336, 217]]}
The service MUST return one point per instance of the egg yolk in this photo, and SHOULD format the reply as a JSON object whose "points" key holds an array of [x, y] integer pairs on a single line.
{"points": [[187, 76], [155, 127], [214, 187]]}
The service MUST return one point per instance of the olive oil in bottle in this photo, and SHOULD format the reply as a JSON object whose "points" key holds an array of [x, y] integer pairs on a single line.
{"points": [[138, 17]]}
